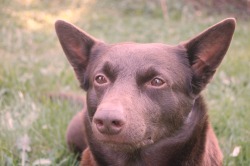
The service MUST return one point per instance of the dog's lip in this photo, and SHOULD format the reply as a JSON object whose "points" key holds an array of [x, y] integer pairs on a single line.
{"points": [[121, 142]]}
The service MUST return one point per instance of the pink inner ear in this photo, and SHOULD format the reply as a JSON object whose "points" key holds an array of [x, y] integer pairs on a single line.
{"points": [[209, 47], [77, 46], [78, 50], [206, 51], [211, 56]]}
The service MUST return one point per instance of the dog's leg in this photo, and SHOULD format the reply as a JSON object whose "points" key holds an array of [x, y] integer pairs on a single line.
{"points": [[87, 158], [75, 136]]}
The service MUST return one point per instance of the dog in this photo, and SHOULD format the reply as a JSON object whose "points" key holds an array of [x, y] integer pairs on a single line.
{"points": [[144, 105]]}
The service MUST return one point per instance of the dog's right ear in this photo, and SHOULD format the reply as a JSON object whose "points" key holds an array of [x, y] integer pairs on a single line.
{"points": [[206, 51], [76, 44]]}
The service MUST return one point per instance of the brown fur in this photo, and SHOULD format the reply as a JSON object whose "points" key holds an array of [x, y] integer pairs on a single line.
{"points": [[143, 100], [87, 158]]}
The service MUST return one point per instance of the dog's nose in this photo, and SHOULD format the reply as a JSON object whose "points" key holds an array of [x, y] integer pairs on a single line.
{"points": [[109, 122]]}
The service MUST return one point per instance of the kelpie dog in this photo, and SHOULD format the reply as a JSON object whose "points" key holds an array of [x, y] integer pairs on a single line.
{"points": [[144, 106]]}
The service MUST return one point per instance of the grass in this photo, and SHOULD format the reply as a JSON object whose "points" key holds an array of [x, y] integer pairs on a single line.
{"points": [[32, 64]]}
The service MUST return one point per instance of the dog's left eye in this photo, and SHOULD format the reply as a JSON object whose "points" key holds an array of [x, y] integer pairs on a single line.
{"points": [[157, 82], [100, 79]]}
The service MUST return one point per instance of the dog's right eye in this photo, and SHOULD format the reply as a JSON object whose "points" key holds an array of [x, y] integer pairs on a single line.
{"points": [[157, 82], [100, 79]]}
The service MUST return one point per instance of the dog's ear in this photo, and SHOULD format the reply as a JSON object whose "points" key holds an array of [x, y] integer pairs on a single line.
{"points": [[76, 44], [206, 51]]}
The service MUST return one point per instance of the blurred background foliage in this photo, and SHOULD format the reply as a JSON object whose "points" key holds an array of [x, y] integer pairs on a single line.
{"points": [[32, 64]]}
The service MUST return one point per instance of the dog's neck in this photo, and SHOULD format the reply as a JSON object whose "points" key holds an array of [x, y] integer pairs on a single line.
{"points": [[186, 145]]}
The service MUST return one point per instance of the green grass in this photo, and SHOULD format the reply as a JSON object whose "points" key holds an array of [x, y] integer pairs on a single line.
{"points": [[32, 64]]}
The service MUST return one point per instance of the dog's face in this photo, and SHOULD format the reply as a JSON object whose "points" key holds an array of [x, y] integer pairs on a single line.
{"points": [[142, 89], [138, 94]]}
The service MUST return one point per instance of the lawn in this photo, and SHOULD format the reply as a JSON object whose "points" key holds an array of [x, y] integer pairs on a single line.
{"points": [[32, 64]]}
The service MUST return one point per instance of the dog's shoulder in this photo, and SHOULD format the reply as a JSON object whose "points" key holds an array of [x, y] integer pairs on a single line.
{"points": [[213, 154]]}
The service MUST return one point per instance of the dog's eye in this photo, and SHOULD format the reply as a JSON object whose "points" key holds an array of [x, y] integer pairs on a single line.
{"points": [[157, 82], [100, 79]]}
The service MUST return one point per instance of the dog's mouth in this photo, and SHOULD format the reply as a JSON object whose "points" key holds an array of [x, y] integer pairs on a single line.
{"points": [[121, 145]]}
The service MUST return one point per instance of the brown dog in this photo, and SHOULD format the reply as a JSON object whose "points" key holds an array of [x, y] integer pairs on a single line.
{"points": [[144, 106]]}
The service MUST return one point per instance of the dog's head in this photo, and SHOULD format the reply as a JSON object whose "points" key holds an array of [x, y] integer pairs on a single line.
{"points": [[140, 93]]}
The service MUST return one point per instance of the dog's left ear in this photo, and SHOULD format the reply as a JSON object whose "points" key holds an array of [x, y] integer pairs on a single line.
{"points": [[77, 45], [206, 51]]}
